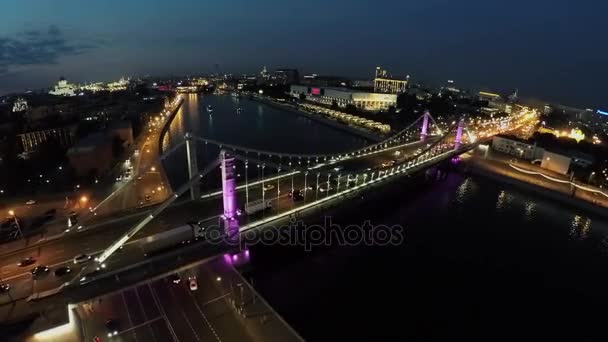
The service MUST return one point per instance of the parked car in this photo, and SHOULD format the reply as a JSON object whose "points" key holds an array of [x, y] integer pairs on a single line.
{"points": [[5, 287]]}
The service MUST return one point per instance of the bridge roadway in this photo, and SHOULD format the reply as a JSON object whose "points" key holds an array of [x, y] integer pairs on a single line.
{"points": [[61, 252]]}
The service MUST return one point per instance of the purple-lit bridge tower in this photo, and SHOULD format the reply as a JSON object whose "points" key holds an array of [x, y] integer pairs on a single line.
{"points": [[425, 125], [231, 223], [459, 130]]}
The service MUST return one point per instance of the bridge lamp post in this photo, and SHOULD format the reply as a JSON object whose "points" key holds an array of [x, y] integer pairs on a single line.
{"points": [[328, 177], [291, 178], [246, 183], [356, 180], [278, 186], [364, 177], [338, 186], [263, 192], [317, 187], [305, 185]]}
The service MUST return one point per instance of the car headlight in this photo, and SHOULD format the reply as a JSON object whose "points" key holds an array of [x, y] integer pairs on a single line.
{"points": [[109, 334], [115, 332]]}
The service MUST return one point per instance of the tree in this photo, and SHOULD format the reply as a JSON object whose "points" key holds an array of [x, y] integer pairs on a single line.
{"points": [[302, 97]]}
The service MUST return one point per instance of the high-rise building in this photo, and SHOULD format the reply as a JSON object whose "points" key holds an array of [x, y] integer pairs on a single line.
{"points": [[385, 83]]}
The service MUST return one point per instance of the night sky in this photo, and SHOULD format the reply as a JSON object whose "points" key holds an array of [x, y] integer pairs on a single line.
{"points": [[555, 50]]}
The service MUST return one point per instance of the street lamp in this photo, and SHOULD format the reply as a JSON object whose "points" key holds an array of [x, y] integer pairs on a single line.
{"points": [[83, 201], [12, 214]]}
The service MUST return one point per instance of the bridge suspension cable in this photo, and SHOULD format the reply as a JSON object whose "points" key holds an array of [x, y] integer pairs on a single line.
{"points": [[182, 189]]}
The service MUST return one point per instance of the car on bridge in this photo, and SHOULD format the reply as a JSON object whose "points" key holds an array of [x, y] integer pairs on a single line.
{"points": [[5, 287], [268, 187], [324, 187], [296, 195]]}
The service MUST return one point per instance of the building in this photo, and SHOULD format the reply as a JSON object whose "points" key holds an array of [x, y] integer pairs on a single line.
{"points": [[490, 97], [63, 88], [581, 159], [30, 141], [92, 156], [384, 83], [517, 147], [555, 162], [123, 131], [20, 105], [324, 81], [523, 149], [344, 97], [286, 76]]}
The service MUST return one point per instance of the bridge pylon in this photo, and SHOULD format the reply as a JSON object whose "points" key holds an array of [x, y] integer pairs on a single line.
{"points": [[231, 225], [195, 190], [425, 125], [459, 130]]}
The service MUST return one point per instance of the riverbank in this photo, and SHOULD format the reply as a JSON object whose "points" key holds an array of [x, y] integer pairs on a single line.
{"points": [[500, 172], [334, 124]]}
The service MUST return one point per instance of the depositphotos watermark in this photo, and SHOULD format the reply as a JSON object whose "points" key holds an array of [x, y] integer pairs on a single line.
{"points": [[297, 233]]}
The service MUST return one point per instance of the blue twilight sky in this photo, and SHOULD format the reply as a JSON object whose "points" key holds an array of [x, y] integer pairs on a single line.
{"points": [[551, 49]]}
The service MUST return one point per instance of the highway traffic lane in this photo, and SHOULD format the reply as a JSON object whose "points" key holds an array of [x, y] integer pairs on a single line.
{"points": [[92, 241], [181, 323], [136, 320], [213, 298]]}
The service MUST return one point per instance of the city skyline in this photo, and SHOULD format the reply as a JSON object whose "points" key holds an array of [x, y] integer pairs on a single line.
{"points": [[480, 45]]}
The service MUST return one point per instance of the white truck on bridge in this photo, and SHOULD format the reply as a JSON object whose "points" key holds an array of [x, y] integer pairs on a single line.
{"points": [[172, 238], [256, 206]]}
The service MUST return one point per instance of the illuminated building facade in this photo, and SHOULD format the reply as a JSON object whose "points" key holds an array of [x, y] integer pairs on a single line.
{"points": [[63, 88], [64, 136], [344, 97], [516, 147], [20, 105], [384, 83]]}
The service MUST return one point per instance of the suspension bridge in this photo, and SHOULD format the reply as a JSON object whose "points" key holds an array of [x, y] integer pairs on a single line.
{"points": [[248, 174]]}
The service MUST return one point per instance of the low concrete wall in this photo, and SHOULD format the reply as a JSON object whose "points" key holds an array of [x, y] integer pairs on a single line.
{"points": [[334, 124]]}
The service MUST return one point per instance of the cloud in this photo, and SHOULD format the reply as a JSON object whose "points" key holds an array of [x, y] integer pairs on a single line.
{"points": [[39, 47]]}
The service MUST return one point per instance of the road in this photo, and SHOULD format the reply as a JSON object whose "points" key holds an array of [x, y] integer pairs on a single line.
{"points": [[147, 311]]}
